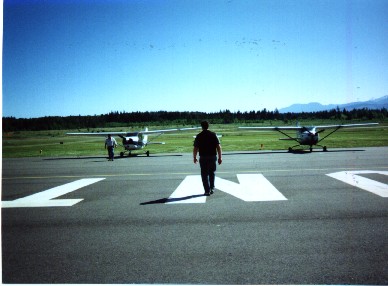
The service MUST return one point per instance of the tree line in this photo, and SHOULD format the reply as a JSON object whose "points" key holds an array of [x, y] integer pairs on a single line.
{"points": [[119, 119]]}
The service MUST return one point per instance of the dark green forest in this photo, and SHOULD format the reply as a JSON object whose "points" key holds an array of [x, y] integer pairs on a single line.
{"points": [[118, 119]]}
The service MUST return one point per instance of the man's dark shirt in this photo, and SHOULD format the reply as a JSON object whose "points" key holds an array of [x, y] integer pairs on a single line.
{"points": [[207, 143]]}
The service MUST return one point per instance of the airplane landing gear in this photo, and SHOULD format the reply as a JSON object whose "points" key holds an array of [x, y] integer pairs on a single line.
{"points": [[290, 149], [123, 153], [324, 148]]}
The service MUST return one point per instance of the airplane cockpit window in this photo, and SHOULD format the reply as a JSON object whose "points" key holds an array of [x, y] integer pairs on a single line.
{"points": [[129, 141]]}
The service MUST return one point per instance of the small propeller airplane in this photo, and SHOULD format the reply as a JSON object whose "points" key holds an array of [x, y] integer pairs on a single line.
{"points": [[309, 135], [134, 140]]}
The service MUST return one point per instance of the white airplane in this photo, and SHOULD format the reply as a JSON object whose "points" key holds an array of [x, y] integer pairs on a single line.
{"points": [[309, 135], [134, 140]]}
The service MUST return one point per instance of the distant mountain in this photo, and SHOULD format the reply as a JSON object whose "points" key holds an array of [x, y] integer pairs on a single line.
{"points": [[378, 103]]}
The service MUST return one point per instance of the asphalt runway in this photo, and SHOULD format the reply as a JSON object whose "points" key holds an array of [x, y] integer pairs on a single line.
{"points": [[275, 218]]}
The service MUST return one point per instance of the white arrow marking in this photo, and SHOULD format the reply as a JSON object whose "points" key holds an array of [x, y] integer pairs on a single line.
{"points": [[252, 188], [351, 178], [190, 191], [45, 198]]}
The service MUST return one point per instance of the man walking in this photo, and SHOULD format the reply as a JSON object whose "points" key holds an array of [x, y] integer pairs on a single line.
{"points": [[208, 146], [110, 143]]}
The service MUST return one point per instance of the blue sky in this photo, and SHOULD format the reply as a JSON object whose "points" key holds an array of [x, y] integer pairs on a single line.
{"points": [[63, 57]]}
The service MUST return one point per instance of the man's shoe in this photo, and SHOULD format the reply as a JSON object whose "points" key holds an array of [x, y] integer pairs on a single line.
{"points": [[211, 191], [207, 194]]}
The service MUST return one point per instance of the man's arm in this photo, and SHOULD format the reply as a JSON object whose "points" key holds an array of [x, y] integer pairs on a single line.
{"points": [[195, 152], [219, 152]]}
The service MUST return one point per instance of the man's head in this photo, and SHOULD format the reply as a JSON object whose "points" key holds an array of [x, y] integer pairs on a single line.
{"points": [[205, 125]]}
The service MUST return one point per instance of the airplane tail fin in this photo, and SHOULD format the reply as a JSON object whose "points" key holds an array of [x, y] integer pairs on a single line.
{"points": [[145, 137]]}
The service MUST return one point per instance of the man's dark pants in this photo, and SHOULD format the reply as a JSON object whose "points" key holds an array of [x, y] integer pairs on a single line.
{"points": [[111, 153], [208, 167]]}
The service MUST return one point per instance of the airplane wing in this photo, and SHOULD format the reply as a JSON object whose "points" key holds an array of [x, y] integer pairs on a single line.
{"points": [[277, 128], [345, 125], [272, 128], [123, 133], [150, 132], [96, 133]]}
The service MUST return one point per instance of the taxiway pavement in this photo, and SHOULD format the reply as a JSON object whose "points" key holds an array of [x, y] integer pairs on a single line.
{"points": [[124, 228]]}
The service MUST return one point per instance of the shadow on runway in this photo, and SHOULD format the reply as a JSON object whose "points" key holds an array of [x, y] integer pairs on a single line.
{"points": [[341, 150], [75, 158], [154, 156], [104, 158], [168, 200], [292, 152]]}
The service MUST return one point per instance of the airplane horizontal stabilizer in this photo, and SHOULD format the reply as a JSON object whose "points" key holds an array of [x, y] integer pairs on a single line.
{"points": [[289, 139]]}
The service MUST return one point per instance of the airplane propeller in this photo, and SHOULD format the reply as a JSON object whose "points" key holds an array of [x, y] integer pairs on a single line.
{"points": [[312, 133]]}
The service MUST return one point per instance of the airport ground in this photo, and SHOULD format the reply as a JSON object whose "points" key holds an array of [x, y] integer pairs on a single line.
{"points": [[55, 143], [126, 228]]}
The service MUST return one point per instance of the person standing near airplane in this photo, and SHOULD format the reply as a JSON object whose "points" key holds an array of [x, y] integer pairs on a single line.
{"points": [[110, 143], [208, 146]]}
